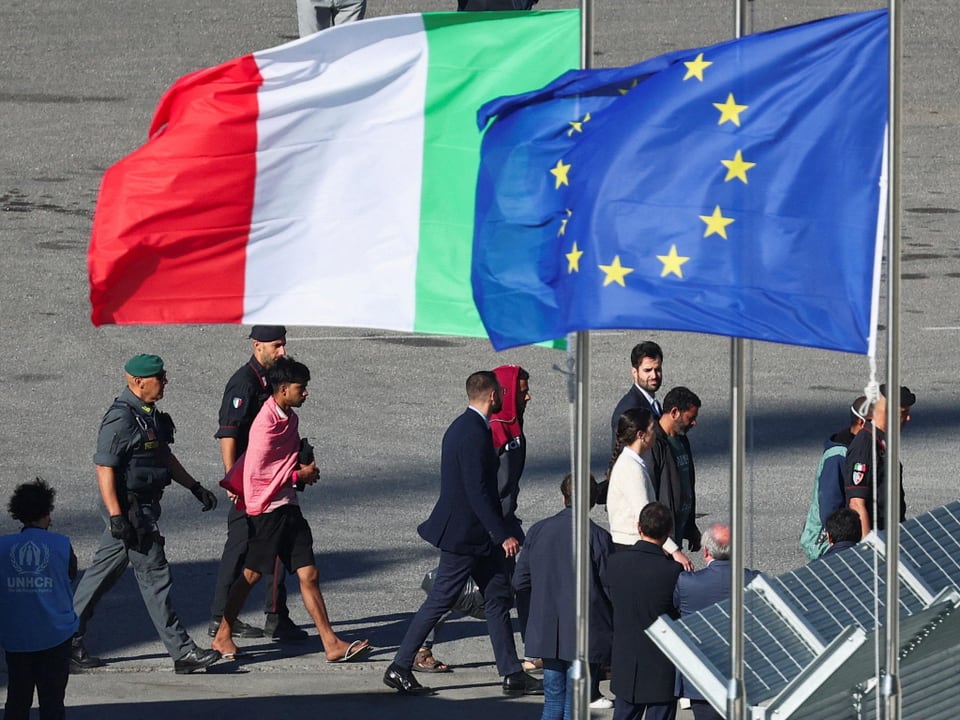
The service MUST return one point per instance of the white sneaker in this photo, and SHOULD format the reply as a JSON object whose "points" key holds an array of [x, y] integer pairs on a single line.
{"points": [[601, 703]]}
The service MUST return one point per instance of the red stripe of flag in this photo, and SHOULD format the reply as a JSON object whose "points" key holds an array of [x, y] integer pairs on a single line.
{"points": [[173, 218]]}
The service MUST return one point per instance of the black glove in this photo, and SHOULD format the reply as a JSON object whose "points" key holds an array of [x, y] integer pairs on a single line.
{"points": [[121, 529], [206, 498]]}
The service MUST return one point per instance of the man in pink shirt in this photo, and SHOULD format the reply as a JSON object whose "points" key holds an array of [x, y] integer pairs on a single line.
{"points": [[271, 470]]}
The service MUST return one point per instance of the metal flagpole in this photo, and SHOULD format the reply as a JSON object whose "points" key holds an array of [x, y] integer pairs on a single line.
{"points": [[736, 704], [890, 682], [580, 671]]}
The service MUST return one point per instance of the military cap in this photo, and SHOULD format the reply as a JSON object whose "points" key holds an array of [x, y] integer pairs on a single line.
{"points": [[907, 398], [144, 366], [267, 333]]}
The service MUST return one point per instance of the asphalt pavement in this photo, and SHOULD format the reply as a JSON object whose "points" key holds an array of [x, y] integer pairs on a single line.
{"points": [[78, 84]]}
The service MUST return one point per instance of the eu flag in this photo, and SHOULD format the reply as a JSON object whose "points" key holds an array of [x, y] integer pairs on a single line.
{"points": [[734, 189]]}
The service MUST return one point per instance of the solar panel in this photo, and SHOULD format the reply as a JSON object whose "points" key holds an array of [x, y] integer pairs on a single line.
{"points": [[775, 650], [790, 620], [931, 543], [838, 591]]}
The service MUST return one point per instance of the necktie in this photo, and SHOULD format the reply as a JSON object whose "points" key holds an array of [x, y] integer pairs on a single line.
{"points": [[656, 408]]}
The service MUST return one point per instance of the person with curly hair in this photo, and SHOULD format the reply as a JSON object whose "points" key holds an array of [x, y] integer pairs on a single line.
{"points": [[37, 620]]}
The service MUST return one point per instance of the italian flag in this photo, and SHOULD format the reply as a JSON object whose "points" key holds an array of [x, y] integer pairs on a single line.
{"points": [[328, 181]]}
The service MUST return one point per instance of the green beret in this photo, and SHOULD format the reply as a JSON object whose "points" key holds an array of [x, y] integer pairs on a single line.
{"points": [[144, 366]]}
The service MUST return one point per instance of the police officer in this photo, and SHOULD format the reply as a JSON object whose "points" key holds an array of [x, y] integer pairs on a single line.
{"points": [[134, 464], [859, 471], [246, 391]]}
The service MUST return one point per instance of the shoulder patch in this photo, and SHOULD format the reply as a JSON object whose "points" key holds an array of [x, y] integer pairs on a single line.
{"points": [[859, 472], [237, 402]]}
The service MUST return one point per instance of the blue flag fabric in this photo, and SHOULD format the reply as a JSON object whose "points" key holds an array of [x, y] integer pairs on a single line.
{"points": [[732, 190]]}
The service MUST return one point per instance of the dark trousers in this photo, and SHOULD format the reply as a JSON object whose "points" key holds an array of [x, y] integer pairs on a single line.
{"points": [[702, 710], [47, 671], [623, 710], [490, 574], [521, 600], [231, 566]]}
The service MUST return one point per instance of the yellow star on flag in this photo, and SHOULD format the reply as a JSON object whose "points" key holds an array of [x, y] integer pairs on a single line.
{"points": [[716, 223], [577, 125], [672, 263], [560, 173], [573, 259], [624, 91], [737, 168], [696, 67], [615, 272], [729, 110]]}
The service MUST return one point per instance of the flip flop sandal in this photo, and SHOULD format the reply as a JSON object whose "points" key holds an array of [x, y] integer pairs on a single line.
{"points": [[355, 651], [427, 663]]}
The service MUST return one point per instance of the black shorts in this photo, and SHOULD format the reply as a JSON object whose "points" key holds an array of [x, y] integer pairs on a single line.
{"points": [[282, 533]]}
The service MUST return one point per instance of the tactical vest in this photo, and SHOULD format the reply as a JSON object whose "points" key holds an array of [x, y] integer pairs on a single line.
{"points": [[146, 472]]}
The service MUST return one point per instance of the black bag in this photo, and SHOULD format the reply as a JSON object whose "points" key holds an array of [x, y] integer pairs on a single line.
{"points": [[304, 457], [470, 601]]}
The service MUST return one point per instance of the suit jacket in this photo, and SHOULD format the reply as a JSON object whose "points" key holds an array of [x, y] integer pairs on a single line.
{"points": [[633, 399], [545, 568], [698, 590], [467, 519], [641, 581]]}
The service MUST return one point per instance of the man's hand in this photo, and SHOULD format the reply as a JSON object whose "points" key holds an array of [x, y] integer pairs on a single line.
{"points": [[206, 498], [121, 529], [682, 559], [308, 474], [511, 546]]}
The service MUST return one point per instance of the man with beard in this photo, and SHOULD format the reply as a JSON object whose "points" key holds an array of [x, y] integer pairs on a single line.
{"points": [[672, 471], [467, 526], [506, 427], [646, 367]]}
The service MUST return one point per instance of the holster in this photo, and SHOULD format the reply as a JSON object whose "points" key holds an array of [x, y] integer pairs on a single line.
{"points": [[146, 531]]}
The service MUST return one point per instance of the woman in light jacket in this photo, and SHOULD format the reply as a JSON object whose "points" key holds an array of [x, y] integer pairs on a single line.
{"points": [[630, 486]]}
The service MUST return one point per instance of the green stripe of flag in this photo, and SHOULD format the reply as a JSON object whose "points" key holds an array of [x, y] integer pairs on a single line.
{"points": [[473, 58]]}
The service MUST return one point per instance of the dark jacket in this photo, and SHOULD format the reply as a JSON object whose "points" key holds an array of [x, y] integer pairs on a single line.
{"points": [[640, 582], [666, 484], [698, 590], [467, 518], [545, 567], [633, 399]]}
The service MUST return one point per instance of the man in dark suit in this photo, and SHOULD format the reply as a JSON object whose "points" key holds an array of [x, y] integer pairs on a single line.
{"points": [[697, 590], [641, 581], [467, 525], [545, 569], [646, 367]]}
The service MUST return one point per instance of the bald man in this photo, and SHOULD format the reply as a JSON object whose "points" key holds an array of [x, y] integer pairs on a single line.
{"points": [[702, 588]]}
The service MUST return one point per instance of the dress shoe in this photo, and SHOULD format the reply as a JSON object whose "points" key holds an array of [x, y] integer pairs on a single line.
{"points": [[520, 683], [402, 679], [196, 659], [240, 629], [282, 628], [80, 659]]}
